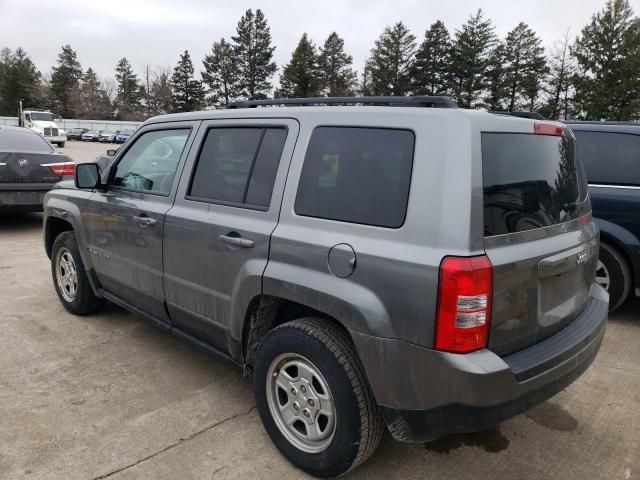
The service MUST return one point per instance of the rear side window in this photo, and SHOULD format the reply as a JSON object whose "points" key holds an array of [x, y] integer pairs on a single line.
{"points": [[530, 181], [238, 165], [610, 158], [24, 142], [357, 175]]}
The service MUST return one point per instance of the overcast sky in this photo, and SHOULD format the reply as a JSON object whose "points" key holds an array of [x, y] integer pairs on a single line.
{"points": [[155, 32]]}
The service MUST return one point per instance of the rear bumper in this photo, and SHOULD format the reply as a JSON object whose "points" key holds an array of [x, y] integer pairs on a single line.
{"points": [[425, 394], [27, 197]]}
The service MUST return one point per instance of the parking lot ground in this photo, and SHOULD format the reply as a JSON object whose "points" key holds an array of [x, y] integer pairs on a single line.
{"points": [[109, 396], [83, 152]]}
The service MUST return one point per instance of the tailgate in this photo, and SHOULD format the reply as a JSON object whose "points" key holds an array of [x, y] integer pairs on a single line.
{"points": [[17, 167], [539, 236]]}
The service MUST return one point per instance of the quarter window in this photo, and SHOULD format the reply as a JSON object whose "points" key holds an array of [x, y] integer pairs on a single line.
{"points": [[357, 175], [238, 165], [150, 164]]}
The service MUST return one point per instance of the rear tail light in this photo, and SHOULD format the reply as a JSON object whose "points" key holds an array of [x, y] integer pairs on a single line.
{"points": [[541, 128], [464, 304], [62, 169]]}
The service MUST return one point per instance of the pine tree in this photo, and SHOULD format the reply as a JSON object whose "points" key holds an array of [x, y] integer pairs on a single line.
{"points": [[525, 68], [391, 61], [607, 52], [254, 53], [337, 78], [431, 67], [470, 59], [65, 80], [188, 94], [300, 77], [19, 80], [221, 74], [495, 84], [5, 59], [559, 87], [129, 91]]}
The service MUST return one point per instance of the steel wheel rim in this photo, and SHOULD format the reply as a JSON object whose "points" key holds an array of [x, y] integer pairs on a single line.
{"points": [[602, 276], [301, 403], [66, 275]]}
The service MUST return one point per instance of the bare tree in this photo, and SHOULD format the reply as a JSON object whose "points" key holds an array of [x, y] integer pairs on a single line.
{"points": [[559, 88], [159, 99], [108, 84]]}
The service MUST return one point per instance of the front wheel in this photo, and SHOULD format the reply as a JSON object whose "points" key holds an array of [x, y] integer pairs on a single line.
{"points": [[314, 399], [70, 278], [614, 275], [61, 145]]}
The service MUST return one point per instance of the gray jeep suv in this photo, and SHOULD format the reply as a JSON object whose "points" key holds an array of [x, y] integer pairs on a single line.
{"points": [[405, 263]]}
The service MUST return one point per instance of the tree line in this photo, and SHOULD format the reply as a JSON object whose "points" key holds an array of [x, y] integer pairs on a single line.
{"points": [[595, 75]]}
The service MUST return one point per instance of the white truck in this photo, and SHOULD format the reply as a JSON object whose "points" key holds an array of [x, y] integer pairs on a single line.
{"points": [[43, 122]]}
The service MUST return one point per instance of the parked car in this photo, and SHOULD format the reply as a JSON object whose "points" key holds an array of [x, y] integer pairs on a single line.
{"points": [[123, 136], [91, 136], [339, 255], [107, 136], [29, 167], [76, 133], [104, 159], [610, 153]]}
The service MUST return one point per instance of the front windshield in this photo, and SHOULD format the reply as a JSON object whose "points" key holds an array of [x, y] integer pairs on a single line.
{"points": [[42, 116]]}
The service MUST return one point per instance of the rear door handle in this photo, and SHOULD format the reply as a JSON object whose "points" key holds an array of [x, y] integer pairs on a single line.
{"points": [[143, 221], [236, 241]]}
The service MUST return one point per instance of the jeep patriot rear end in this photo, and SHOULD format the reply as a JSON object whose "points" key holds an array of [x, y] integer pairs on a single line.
{"points": [[423, 266]]}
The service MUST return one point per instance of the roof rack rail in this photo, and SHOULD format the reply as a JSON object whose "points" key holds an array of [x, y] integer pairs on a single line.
{"points": [[602, 122], [390, 101], [531, 115]]}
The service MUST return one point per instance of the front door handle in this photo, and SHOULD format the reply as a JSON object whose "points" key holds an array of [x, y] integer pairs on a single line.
{"points": [[143, 221], [236, 241]]}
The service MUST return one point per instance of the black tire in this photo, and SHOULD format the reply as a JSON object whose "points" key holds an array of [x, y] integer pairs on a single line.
{"points": [[61, 145], [84, 301], [359, 426], [619, 275]]}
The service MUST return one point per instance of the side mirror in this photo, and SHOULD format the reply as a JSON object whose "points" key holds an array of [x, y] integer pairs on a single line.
{"points": [[112, 152], [87, 175]]}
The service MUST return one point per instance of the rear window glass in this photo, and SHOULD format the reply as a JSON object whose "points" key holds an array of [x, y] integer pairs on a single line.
{"points": [[530, 181], [357, 175], [610, 158], [24, 142]]}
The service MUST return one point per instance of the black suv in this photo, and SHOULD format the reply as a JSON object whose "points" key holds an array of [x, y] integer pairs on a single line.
{"points": [[610, 153]]}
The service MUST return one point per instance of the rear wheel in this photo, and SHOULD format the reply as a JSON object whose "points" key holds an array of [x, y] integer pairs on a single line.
{"points": [[314, 399], [61, 145], [614, 275], [70, 278]]}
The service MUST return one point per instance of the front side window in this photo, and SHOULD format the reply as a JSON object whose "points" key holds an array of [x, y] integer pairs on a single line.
{"points": [[150, 164], [610, 158], [238, 165], [357, 175]]}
